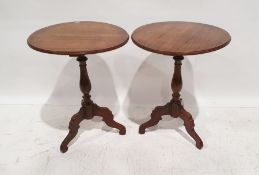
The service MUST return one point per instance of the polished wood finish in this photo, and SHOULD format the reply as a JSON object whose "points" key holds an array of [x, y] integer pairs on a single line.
{"points": [[88, 109], [174, 108], [180, 38], [78, 38]]}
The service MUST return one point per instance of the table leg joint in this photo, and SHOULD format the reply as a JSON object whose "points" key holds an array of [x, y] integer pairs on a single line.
{"points": [[88, 109], [175, 107]]}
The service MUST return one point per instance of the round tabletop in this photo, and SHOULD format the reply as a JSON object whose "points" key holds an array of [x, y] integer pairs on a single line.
{"points": [[78, 38], [180, 38]]}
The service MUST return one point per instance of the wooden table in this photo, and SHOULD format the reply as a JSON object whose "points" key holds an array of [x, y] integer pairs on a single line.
{"points": [[77, 39], [178, 39]]}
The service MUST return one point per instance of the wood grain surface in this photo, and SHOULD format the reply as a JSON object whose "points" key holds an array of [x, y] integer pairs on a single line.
{"points": [[78, 38], [180, 38]]}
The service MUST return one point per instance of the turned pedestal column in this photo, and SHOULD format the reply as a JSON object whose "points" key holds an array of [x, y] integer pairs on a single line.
{"points": [[78, 39], [178, 39], [88, 109], [174, 108]]}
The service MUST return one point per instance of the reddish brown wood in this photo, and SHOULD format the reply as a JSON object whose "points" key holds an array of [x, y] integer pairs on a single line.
{"points": [[88, 109], [174, 108], [78, 38], [180, 38]]}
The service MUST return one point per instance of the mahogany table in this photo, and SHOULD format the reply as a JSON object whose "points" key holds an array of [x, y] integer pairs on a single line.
{"points": [[178, 39], [77, 39]]}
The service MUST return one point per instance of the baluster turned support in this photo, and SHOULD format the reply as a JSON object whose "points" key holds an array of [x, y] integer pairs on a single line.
{"points": [[88, 109], [174, 108]]}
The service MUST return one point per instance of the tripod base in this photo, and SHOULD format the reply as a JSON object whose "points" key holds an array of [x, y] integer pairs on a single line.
{"points": [[88, 109], [88, 112], [174, 109]]}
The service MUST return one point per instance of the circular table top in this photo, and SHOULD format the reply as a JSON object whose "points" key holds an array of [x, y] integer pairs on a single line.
{"points": [[180, 38], [78, 38]]}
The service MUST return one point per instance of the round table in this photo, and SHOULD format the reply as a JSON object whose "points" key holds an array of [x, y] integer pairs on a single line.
{"points": [[78, 39], [178, 39]]}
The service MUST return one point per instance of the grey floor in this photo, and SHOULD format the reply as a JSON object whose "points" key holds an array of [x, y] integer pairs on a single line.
{"points": [[30, 139]]}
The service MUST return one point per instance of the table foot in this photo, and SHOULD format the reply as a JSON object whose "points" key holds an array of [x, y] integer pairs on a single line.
{"points": [[107, 116], [73, 129], [63, 148], [156, 116], [189, 126], [87, 112]]}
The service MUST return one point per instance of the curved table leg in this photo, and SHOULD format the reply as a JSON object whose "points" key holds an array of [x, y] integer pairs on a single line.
{"points": [[189, 126], [107, 116], [156, 116], [73, 129], [88, 109]]}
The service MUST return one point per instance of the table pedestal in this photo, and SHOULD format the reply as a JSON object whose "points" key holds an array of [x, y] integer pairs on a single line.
{"points": [[174, 108], [88, 109]]}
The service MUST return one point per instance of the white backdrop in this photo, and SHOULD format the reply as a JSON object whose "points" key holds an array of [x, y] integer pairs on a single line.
{"points": [[39, 93], [228, 77]]}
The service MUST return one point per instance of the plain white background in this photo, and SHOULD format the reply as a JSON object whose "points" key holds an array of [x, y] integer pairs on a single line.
{"points": [[228, 77], [37, 84]]}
